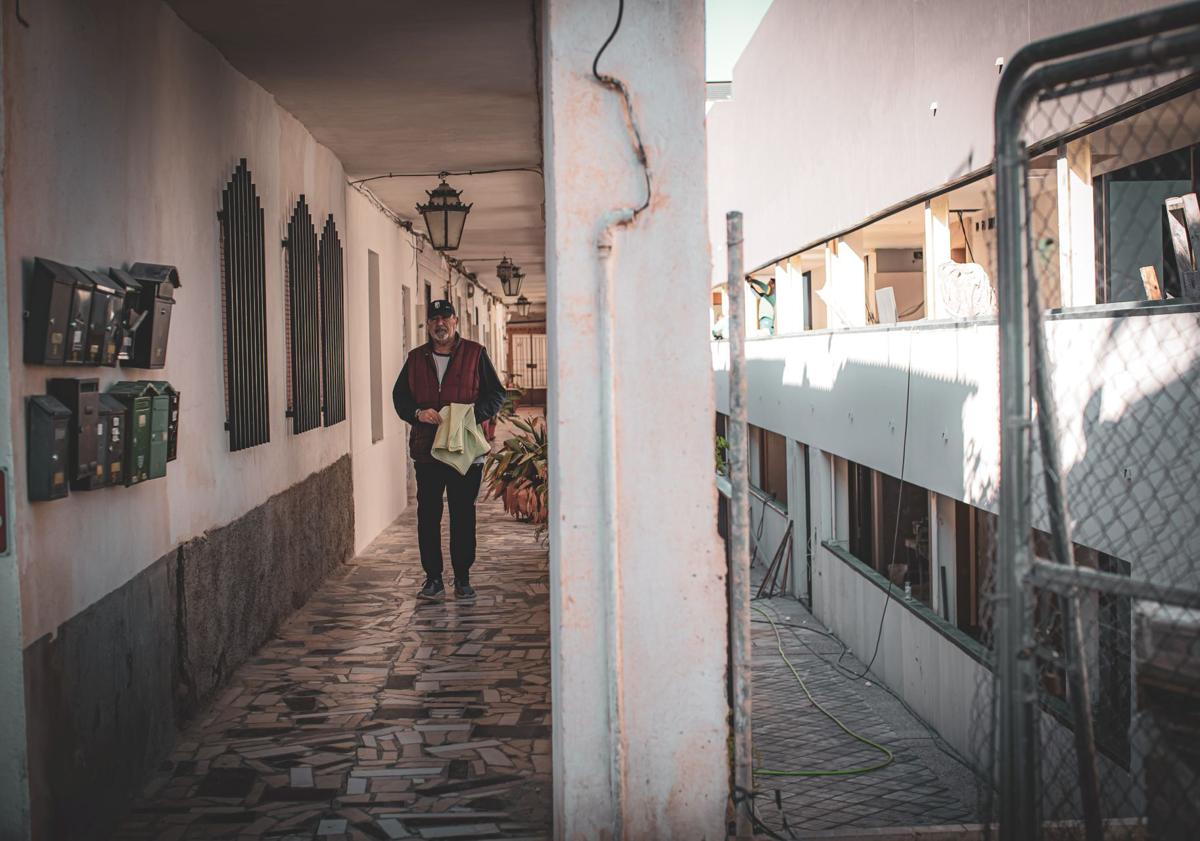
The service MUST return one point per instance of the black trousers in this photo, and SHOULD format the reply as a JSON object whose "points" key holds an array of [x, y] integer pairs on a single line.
{"points": [[433, 480]]}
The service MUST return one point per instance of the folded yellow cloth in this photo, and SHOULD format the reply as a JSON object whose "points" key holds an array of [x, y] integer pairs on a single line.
{"points": [[459, 440]]}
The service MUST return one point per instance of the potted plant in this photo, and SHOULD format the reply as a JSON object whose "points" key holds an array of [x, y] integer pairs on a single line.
{"points": [[517, 472], [512, 399]]}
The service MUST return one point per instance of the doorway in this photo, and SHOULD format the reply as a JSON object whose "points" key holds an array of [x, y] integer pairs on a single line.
{"points": [[527, 366]]}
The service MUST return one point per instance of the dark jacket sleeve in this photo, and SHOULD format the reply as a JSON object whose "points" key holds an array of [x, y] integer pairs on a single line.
{"points": [[402, 397], [491, 390]]}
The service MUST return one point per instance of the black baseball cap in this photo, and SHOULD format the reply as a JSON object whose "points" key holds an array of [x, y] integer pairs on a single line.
{"points": [[442, 308]]}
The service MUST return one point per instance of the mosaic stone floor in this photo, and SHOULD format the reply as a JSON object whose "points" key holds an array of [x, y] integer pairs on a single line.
{"points": [[373, 716], [924, 787]]}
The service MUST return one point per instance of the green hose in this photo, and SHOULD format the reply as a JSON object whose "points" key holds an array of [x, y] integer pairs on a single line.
{"points": [[843, 772]]}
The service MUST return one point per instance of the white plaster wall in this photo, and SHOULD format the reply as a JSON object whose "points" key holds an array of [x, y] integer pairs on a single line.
{"points": [[380, 467], [124, 127], [933, 676], [830, 118], [671, 662], [1126, 385]]}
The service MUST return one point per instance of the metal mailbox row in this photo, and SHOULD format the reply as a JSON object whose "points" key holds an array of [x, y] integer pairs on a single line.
{"points": [[81, 317], [80, 439]]}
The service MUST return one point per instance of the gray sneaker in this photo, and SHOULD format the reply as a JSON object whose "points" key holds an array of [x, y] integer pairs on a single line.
{"points": [[464, 592], [433, 591]]}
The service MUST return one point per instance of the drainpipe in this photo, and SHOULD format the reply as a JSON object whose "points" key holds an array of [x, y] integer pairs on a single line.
{"points": [[611, 519], [739, 531]]}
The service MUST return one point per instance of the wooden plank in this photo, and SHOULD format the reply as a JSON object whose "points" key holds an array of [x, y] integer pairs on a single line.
{"points": [[1179, 234], [1150, 281], [1191, 219], [1189, 282]]}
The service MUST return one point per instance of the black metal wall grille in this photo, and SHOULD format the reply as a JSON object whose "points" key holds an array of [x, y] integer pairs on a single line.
{"points": [[243, 263], [305, 323], [333, 334]]}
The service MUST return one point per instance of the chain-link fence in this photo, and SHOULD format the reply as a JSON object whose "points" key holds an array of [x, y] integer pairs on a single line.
{"points": [[1090, 718]]}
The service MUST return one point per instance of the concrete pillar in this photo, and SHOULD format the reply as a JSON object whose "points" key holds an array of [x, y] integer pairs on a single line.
{"points": [[638, 607], [845, 293], [1076, 225], [937, 250]]}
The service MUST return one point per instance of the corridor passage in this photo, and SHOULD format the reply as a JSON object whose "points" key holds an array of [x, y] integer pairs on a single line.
{"points": [[373, 716], [926, 792]]}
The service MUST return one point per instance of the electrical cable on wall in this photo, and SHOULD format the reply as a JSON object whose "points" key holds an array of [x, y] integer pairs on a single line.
{"points": [[896, 533], [630, 119], [445, 173]]}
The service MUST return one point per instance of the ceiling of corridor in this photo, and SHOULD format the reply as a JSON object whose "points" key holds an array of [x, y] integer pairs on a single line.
{"points": [[402, 86]]}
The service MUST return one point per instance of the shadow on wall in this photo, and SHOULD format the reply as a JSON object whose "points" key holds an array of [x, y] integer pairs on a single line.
{"points": [[1130, 446], [857, 409]]}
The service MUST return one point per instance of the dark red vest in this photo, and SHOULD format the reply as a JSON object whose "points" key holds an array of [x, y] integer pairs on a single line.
{"points": [[459, 385]]}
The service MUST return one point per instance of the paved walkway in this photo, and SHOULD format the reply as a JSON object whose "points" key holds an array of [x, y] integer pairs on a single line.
{"points": [[924, 786], [373, 716]]}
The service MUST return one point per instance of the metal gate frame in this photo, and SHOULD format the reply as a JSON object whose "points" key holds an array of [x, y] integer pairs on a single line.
{"points": [[1140, 43]]}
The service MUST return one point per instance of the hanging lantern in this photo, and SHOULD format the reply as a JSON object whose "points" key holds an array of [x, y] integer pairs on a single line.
{"points": [[522, 306], [471, 290], [444, 216], [510, 277]]}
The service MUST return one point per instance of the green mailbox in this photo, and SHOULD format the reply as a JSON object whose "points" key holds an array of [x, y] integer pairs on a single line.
{"points": [[160, 414], [138, 398], [165, 388]]}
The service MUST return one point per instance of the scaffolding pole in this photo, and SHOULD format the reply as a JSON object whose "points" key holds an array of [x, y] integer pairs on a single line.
{"points": [[739, 530]]}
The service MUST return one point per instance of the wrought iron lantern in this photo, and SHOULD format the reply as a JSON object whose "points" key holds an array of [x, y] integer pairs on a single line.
{"points": [[522, 306], [445, 216], [510, 277], [471, 289]]}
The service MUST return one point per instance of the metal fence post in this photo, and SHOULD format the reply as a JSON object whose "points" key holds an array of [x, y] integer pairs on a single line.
{"points": [[739, 529], [1016, 689]]}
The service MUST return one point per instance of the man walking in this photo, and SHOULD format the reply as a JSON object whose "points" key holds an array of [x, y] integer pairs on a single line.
{"points": [[446, 369]]}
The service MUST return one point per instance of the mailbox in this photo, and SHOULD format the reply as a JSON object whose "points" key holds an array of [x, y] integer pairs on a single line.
{"points": [[165, 388], [158, 284], [108, 305], [47, 450], [48, 311], [138, 400], [160, 413], [77, 324], [113, 414], [132, 315], [82, 398]]}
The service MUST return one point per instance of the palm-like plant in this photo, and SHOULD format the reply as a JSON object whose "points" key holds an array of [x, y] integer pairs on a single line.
{"points": [[512, 399], [517, 473]]}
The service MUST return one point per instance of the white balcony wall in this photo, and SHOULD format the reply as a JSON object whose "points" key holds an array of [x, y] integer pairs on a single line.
{"points": [[1126, 384]]}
